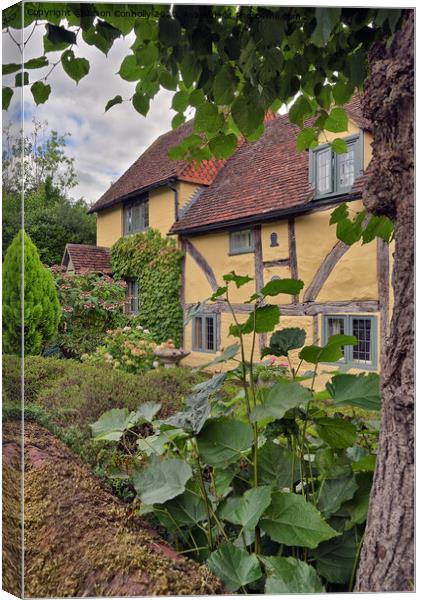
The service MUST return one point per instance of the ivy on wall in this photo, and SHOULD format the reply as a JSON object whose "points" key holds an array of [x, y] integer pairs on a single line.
{"points": [[155, 262]]}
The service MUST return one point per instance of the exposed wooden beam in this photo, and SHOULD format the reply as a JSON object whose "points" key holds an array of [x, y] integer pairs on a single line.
{"points": [[302, 309], [202, 263], [292, 249], [324, 271], [282, 262], [384, 291], [258, 271], [183, 284]]}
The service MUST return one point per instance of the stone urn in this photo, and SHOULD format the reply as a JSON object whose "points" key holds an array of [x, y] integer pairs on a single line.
{"points": [[170, 356]]}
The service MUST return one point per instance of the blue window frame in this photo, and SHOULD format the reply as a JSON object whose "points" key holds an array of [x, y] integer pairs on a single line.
{"points": [[136, 215], [333, 174], [364, 354], [132, 295], [241, 241], [204, 333]]}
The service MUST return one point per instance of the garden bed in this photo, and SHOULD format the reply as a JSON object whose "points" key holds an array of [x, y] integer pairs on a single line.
{"points": [[79, 539]]}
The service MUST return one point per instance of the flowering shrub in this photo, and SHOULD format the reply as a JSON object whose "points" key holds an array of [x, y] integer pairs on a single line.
{"points": [[91, 304], [271, 369], [129, 349]]}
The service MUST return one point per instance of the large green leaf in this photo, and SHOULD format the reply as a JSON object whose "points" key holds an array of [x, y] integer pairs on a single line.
{"points": [[281, 398], [40, 92], [116, 100], [112, 424], [326, 20], [161, 480], [336, 557], [276, 465], [188, 508], [147, 411], [331, 352], [282, 286], [224, 86], [227, 354], [290, 575], [76, 68], [293, 521], [332, 463], [7, 94], [281, 342], [247, 509], [234, 566], [222, 440], [334, 492], [239, 280], [337, 432], [337, 120], [129, 69], [361, 390], [300, 110]]}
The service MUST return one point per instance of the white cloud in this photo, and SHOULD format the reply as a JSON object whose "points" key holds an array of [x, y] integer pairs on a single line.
{"points": [[104, 144]]}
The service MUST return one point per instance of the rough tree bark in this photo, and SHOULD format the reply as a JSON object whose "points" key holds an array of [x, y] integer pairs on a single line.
{"points": [[387, 558]]}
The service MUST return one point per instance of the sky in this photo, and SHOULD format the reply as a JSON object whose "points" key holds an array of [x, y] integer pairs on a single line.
{"points": [[103, 144]]}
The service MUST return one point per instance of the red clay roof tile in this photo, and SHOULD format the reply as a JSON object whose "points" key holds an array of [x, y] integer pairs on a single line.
{"points": [[88, 258]]}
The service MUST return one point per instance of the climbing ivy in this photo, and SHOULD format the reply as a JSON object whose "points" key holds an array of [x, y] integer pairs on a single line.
{"points": [[156, 264]]}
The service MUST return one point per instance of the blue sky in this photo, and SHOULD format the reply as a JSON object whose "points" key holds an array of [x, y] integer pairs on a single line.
{"points": [[103, 144]]}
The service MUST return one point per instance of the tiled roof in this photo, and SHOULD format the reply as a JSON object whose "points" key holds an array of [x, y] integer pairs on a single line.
{"points": [[262, 178], [88, 258], [154, 167]]}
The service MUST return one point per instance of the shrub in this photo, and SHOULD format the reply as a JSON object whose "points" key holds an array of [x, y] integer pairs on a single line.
{"points": [[91, 304], [129, 349], [41, 304]]}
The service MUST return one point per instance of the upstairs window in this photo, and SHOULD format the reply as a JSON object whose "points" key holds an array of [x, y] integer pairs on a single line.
{"points": [[204, 333], [364, 354], [132, 296], [333, 174], [136, 216], [241, 241]]}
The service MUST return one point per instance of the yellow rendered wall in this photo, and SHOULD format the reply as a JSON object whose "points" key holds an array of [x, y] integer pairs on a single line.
{"points": [[277, 252], [185, 192], [109, 226], [161, 209]]}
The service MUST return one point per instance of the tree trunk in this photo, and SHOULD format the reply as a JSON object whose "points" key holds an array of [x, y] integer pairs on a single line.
{"points": [[387, 558]]}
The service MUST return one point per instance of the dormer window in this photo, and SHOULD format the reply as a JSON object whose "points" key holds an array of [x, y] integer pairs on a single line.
{"points": [[334, 174], [136, 215]]}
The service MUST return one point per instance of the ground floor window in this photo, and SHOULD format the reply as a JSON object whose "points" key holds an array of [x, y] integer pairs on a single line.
{"points": [[204, 333], [364, 354], [132, 295]]}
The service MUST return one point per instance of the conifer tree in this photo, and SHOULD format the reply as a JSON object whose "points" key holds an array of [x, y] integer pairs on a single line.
{"points": [[41, 305]]}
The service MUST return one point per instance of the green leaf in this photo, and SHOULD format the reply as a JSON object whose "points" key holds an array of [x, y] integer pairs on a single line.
{"points": [[293, 521], [235, 567], [227, 354], [36, 63], [21, 79], [247, 509], [361, 390], [169, 31], [300, 111], [222, 440], [40, 92], [129, 69], [331, 352], [207, 118], [189, 69], [307, 138], [223, 145], [326, 20], [281, 342], [339, 146], [161, 480], [147, 411], [290, 576], [381, 227], [141, 103], [180, 101], [335, 558], [222, 479], [334, 492], [265, 320], [239, 280], [7, 94], [367, 463], [177, 120], [276, 464], [168, 81], [338, 433], [11, 68], [247, 116], [76, 68], [58, 36], [337, 120], [224, 86], [341, 212], [188, 508], [112, 424], [282, 286], [332, 464], [342, 93], [281, 398], [349, 231], [116, 100]]}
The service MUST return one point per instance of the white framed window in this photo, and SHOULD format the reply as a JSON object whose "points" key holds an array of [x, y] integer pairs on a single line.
{"points": [[136, 216], [364, 354], [334, 174], [241, 241], [132, 296], [204, 333]]}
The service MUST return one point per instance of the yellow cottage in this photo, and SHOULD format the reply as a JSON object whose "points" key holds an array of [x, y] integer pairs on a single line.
{"points": [[264, 213]]}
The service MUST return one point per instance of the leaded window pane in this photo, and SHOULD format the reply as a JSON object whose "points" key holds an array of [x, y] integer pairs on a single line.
{"points": [[362, 352], [324, 171], [346, 169], [241, 241], [197, 333], [210, 333]]}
